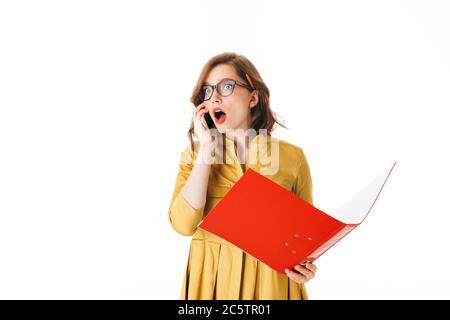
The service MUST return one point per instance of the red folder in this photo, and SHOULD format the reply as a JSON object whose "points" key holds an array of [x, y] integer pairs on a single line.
{"points": [[279, 228]]}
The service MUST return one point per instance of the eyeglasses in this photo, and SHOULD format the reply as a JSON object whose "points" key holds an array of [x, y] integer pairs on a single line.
{"points": [[225, 87]]}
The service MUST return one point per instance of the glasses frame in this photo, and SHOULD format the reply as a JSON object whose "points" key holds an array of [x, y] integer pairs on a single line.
{"points": [[235, 82]]}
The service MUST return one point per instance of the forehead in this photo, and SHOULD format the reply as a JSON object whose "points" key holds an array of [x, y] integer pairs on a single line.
{"points": [[220, 72]]}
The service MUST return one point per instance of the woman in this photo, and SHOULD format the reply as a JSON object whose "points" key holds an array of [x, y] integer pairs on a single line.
{"points": [[231, 98]]}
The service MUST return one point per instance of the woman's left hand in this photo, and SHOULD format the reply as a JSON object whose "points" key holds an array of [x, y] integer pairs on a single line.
{"points": [[302, 273]]}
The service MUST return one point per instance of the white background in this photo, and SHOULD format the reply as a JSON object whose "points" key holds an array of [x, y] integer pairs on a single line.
{"points": [[94, 109]]}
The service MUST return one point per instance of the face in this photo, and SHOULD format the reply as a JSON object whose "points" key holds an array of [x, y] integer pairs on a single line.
{"points": [[233, 111]]}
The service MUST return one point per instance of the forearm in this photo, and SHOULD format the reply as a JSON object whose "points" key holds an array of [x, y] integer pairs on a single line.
{"points": [[194, 191]]}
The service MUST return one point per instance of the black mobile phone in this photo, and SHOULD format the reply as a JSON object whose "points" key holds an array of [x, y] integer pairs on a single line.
{"points": [[209, 121]]}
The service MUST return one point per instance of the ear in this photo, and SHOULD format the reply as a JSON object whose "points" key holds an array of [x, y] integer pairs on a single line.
{"points": [[254, 99]]}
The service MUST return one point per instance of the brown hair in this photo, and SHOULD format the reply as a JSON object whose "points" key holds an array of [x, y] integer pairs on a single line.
{"points": [[263, 117]]}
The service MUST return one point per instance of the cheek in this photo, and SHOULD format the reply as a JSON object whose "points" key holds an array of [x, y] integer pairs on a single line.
{"points": [[242, 113], [239, 110]]}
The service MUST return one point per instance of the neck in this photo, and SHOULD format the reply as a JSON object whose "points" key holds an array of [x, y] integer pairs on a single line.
{"points": [[240, 137], [241, 144]]}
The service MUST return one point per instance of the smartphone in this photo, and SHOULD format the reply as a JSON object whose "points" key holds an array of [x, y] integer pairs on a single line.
{"points": [[207, 121]]}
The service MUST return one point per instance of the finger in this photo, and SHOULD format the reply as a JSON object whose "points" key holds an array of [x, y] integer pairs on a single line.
{"points": [[311, 267], [202, 104], [297, 277], [304, 271], [200, 114], [199, 107], [202, 119]]}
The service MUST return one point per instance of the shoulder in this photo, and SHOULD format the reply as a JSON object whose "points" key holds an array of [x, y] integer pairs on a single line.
{"points": [[187, 154], [292, 153]]}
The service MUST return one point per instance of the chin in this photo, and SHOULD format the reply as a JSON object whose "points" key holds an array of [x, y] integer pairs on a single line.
{"points": [[221, 129]]}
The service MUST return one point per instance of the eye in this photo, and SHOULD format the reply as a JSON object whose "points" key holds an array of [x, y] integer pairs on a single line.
{"points": [[227, 86], [206, 90]]}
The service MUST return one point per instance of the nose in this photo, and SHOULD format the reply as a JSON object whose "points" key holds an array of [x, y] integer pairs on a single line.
{"points": [[215, 98]]}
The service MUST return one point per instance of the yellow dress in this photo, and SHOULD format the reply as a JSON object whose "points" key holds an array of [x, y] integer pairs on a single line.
{"points": [[216, 269]]}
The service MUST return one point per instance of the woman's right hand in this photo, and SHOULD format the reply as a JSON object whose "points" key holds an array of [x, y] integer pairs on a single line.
{"points": [[200, 130]]}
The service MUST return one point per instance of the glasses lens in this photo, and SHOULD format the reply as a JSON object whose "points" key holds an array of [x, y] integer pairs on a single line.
{"points": [[226, 87], [206, 93]]}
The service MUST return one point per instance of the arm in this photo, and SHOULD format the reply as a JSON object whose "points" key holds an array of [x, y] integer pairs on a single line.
{"points": [[189, 195]]}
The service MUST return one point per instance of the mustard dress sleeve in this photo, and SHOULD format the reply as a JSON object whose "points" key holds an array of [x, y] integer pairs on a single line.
{"points": [[182, 216]]}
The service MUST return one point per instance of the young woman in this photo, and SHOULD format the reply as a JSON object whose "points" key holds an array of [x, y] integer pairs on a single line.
{"points": [[230, 97]]}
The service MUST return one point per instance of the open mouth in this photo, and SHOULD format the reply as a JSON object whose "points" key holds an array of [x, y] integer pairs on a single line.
{"points": [[219, 116]]}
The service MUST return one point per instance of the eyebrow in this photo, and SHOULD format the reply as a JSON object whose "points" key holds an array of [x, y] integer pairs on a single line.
{"points": [[208, 84]]}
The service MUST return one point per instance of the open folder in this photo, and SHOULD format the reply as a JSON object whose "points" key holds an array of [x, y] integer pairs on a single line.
{"points": [[279, 228]]}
